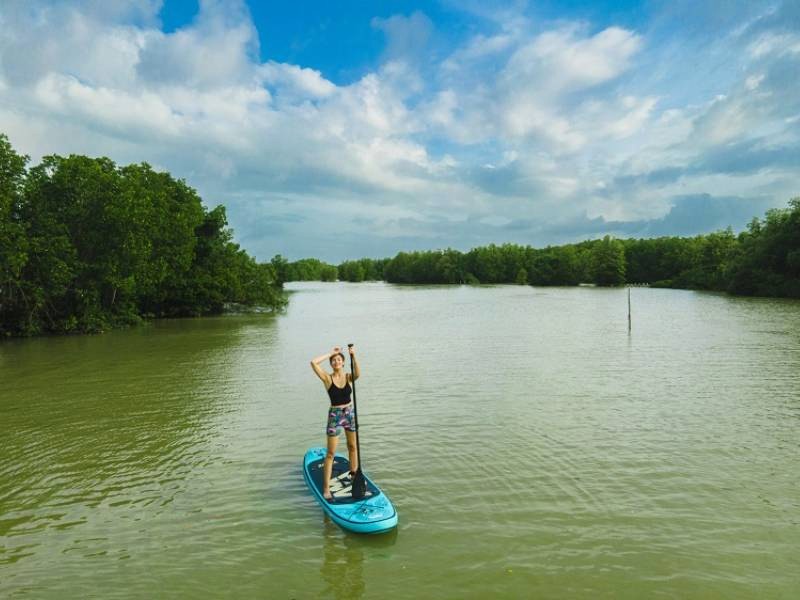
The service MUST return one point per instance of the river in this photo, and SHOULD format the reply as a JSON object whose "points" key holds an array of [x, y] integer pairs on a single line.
{"points": [[532, 445]]}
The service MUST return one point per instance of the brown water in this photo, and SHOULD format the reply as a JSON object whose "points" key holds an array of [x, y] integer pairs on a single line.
{"points": [[532, 446]]}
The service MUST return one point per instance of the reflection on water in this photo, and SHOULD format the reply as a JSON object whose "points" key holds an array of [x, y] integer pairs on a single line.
{"points": [[532, 446], [343, 565]]}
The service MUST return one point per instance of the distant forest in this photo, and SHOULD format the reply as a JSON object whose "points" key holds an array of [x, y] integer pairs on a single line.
{"points": [[86, 245], [764, 260]]}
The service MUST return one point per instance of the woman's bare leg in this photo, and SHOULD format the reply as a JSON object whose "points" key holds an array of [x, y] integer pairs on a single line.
{"points": [[328, 466], [352, 450]]}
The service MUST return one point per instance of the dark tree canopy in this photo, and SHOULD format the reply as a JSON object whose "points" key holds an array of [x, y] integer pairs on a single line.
{"points": [[86, 245], [311, 269]]}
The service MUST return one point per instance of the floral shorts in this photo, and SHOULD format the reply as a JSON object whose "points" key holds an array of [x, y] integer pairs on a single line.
{"points": [[338, 417]]}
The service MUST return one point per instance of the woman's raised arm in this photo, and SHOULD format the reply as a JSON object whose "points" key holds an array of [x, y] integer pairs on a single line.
{"points": [[326, 379]]}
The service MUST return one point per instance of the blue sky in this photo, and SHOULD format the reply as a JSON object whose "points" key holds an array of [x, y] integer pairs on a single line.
{"points": [[356, 128]]}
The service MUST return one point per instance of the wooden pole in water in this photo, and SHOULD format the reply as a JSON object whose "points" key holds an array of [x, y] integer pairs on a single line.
{"points": [[629, 309]]}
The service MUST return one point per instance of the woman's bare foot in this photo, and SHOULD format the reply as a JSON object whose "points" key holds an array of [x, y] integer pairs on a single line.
{"points": [[327, 495]]}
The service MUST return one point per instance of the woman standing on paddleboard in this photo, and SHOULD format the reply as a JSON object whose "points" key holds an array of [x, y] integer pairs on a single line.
{"points": [[341, 412]]}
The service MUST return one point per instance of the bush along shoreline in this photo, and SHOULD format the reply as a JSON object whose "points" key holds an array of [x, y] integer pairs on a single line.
{"points": [[763, 260], [86, 245]]}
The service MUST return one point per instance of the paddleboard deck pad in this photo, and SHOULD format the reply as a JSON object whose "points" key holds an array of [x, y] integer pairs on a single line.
{"points": [[374, 513]]}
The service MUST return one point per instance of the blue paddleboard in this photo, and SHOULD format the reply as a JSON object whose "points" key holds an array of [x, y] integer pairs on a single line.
{"points": [[373, 513]]}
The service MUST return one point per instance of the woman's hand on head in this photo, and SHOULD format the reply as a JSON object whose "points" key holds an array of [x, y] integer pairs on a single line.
{"points": [[336, 350]]}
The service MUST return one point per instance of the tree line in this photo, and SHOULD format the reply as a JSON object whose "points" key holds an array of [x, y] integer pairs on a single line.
{"points": [[312, 269], [763, 260], [86, 245]]}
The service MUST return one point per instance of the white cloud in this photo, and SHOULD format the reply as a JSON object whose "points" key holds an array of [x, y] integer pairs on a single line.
{"points": [[407, 36], [218, 49], [103, 107], [561, 61], [61, 39], [296, 82], [532, 94], [515, 124], [775, 43], [478, 48]]}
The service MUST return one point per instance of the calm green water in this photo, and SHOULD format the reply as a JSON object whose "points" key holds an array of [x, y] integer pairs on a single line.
{"points": [[532, 446]]}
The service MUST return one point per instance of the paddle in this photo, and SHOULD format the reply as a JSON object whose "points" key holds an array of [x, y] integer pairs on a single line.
{"points": [[359, 484]]}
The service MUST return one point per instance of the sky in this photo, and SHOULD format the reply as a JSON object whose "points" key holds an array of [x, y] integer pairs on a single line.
{"points": [[355, 128]]}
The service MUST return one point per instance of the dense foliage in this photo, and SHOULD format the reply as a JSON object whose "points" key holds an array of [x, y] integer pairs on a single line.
{"points": [[509, 263], [311, 269], [365, 269], [86, 245], [764, 260]]}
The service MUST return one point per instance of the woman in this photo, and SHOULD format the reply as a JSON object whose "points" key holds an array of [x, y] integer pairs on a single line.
{"points": [[341, 413]]}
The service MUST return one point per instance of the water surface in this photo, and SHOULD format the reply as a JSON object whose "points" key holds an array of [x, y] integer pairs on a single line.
{"points": [[532, 446]]}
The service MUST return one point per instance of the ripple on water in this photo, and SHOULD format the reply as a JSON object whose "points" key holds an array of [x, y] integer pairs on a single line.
{"points": [[532, 447]]}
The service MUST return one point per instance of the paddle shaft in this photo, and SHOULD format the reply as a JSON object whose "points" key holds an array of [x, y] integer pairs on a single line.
{"points": [[355, 409], [359, 485]]}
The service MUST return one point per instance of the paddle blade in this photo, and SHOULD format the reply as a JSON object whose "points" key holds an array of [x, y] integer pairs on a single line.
{"points": [[359, 485]]}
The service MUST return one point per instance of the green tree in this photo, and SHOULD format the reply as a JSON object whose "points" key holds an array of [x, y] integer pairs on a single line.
{"points": [[87, 245], [14, 247], [447, 270], [310, 269], [281, 267], [608, 262], [765, 263]]}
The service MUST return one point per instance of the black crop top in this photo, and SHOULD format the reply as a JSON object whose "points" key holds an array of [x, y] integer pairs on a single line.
{"points": [[339, 395]]}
